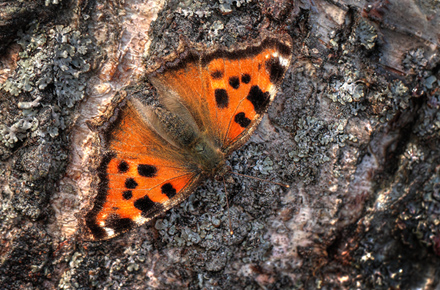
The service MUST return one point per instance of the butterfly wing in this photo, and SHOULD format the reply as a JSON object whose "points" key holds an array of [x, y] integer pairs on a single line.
{"points": [[242, 85], [140, 176], [180, 83], [226, 91]]}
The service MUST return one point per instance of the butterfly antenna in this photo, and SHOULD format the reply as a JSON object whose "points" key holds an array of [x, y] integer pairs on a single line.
{"points": [[260, 179], [227, 205]]}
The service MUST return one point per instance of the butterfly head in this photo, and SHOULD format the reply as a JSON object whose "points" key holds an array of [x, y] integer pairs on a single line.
{"points": [[211, 159]]}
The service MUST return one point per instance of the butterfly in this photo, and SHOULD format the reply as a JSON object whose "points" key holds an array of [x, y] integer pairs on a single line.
{"points": [[212, 100]]}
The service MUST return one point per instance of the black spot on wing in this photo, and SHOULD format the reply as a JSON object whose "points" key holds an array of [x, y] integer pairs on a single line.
{"points": [[275, 69], [242, 120], [216, 75], [127, 194], [148, 207], [234, 82], [168, 190], [221, 98], [246, 78], [259, 99], [119, 224], [147, 170], [144, 204], [123, 167], [130, 183]]}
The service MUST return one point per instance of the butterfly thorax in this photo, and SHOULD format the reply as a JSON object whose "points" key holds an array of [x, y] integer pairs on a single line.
{"points": [[181, 131], [209, 158]]}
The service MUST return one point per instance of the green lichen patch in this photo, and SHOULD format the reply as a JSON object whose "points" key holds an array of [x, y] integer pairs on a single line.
{"points": [[56, 73], [366, 34], [63, 66], [428, 126]]}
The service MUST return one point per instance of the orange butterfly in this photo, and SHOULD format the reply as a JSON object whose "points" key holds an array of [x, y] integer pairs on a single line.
{"points": [[212, 101]]}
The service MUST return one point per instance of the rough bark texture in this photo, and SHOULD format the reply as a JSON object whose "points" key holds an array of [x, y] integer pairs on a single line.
{"points": [[355, 131]]}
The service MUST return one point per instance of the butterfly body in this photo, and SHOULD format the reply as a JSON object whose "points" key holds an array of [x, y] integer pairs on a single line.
{"points": [[154, 157], [182, 133]]}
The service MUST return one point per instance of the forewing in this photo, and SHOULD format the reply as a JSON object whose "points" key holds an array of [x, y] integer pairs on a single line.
{"points": [[180, 83], [227, 91], [240, 86]]}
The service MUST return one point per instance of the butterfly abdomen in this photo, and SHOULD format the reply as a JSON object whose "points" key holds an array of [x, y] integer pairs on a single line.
{"points": [[175, 128]]}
